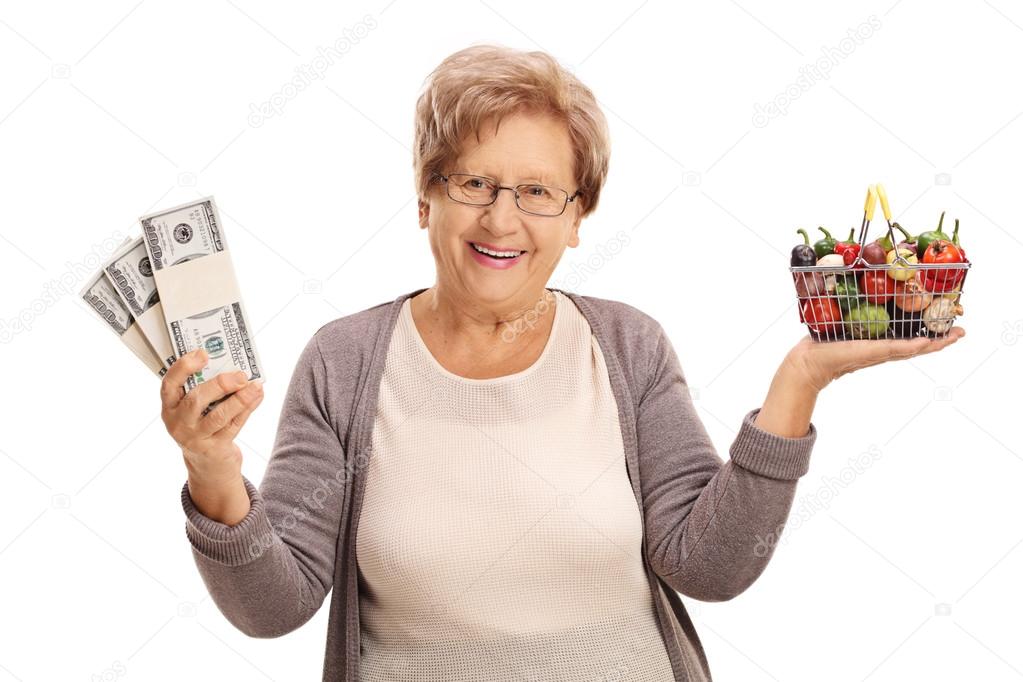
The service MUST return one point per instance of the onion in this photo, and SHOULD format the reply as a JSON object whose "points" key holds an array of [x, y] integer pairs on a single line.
{"points": [[911, 295]]}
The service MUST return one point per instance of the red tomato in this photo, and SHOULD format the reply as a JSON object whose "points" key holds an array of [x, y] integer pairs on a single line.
{"points": [[877, 286], [946, 279], [822, 314]]}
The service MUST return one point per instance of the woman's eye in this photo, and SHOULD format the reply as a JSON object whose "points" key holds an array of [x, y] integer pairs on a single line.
{"points": [[538, 190]]}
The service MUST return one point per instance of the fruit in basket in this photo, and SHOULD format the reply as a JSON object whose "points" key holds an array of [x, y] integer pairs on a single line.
{"points": [[821, 314], [898, 270], [877, 286], [911, 296], [925, 238], [825, 245], [940, 315], [944, 279], [867, 321], [803, 254]]}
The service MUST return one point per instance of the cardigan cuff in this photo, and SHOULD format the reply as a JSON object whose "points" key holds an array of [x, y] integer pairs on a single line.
{"points": [[769, 454], [235, 545]]}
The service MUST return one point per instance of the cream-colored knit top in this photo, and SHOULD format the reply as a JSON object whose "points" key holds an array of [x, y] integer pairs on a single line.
{"points": [[516, 487]]}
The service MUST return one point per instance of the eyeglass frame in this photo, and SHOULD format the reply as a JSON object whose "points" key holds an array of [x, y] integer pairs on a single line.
{"points": [[514, 189]]}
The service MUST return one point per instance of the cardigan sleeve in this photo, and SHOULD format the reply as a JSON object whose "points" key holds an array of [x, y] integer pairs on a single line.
{"points": [[710, 525], [269, 573]]}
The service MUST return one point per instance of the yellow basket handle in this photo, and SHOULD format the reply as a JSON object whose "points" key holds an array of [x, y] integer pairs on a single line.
{"points": [[883, 196], [868, 207]]}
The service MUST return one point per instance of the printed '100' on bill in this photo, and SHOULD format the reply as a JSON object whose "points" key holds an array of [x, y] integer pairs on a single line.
{"points": [[186, 233]]}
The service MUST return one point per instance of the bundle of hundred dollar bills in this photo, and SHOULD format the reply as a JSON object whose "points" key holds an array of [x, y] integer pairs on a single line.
{"points": [[173, 290]]}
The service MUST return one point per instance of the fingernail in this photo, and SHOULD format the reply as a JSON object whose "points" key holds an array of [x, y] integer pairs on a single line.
{"points": [[240, 377]]}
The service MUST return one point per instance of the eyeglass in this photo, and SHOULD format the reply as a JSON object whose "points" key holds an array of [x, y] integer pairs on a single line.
{"points": [[478, 190]]}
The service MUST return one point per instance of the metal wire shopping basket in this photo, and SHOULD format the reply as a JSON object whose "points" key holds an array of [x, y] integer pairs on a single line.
{"points": [[896, 300]]}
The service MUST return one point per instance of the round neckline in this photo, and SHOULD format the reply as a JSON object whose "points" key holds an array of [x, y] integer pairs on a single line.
{"points": [[521, 374]]}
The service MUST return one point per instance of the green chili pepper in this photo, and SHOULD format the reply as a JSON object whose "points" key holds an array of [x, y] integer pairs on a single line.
{"points": [[925, 238], [847, 292], [824, 246]]}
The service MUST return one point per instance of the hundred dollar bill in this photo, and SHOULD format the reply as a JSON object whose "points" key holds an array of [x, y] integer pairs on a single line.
{"points": [[101, 298], [175, 240], [130, 272]]}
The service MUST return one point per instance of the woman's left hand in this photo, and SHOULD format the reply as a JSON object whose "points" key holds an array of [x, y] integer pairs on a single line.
{"points": [[821, 363]]}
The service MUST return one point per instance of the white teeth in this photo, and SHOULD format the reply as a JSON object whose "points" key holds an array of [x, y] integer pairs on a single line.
{"points": [[496, 254]]}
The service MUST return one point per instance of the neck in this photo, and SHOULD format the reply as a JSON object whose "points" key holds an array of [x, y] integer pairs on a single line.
{"points": [[458, 316]]}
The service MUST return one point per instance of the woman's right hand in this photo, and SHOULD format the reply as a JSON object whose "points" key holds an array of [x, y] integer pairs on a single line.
{"points": [[207, 442]]}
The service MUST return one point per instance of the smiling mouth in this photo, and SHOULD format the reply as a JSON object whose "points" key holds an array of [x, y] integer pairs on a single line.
{"points": [[502, 254]]}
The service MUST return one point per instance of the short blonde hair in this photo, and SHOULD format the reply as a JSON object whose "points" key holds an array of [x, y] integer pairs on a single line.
{"points": [[483, 81]]}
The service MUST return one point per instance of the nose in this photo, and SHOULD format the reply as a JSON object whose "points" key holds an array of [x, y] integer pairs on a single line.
{"points": [[499, 217]]}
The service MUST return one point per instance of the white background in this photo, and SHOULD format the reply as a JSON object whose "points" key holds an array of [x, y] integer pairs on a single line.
{"points": [[905, 569]]}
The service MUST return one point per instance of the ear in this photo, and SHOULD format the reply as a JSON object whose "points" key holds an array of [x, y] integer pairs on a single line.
{"points": [[424, 214], [573, 238]]}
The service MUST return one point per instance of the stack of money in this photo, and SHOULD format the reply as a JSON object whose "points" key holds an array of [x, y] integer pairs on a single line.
{"points": [[173, 290]]}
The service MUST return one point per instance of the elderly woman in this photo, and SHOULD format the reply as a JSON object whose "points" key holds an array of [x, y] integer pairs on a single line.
{"points": [[498, 481]]}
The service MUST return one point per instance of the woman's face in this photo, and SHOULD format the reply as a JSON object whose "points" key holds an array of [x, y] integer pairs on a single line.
{"points": [[528, 148]]}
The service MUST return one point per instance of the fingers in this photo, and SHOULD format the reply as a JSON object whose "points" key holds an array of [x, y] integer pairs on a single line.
{"points": [[173, 384], [910, 348], [243, 400], [235, 425], [193, 404]]}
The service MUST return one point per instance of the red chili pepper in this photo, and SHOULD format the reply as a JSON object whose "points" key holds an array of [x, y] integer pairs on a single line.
{"points": [[848, 249]]}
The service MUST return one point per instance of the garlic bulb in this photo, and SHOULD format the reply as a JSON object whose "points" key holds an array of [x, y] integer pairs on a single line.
{"points": [[940, 315]]}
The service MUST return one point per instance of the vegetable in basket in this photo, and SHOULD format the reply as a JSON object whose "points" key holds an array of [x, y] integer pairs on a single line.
{"points": [[924, 239], [898, 270], [911, 296], [822, 315], [830, 260], [847, 292], [846, 246], [803, 254], [955, 240], [875, 252], [826, 245], [945, 279], [868, 321], [940, 314], [909, 241], [809, 284], [905, 325], [877, 286]]}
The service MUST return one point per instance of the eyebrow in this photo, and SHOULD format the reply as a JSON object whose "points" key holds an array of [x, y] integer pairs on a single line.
{"points": [[531, 177]]}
